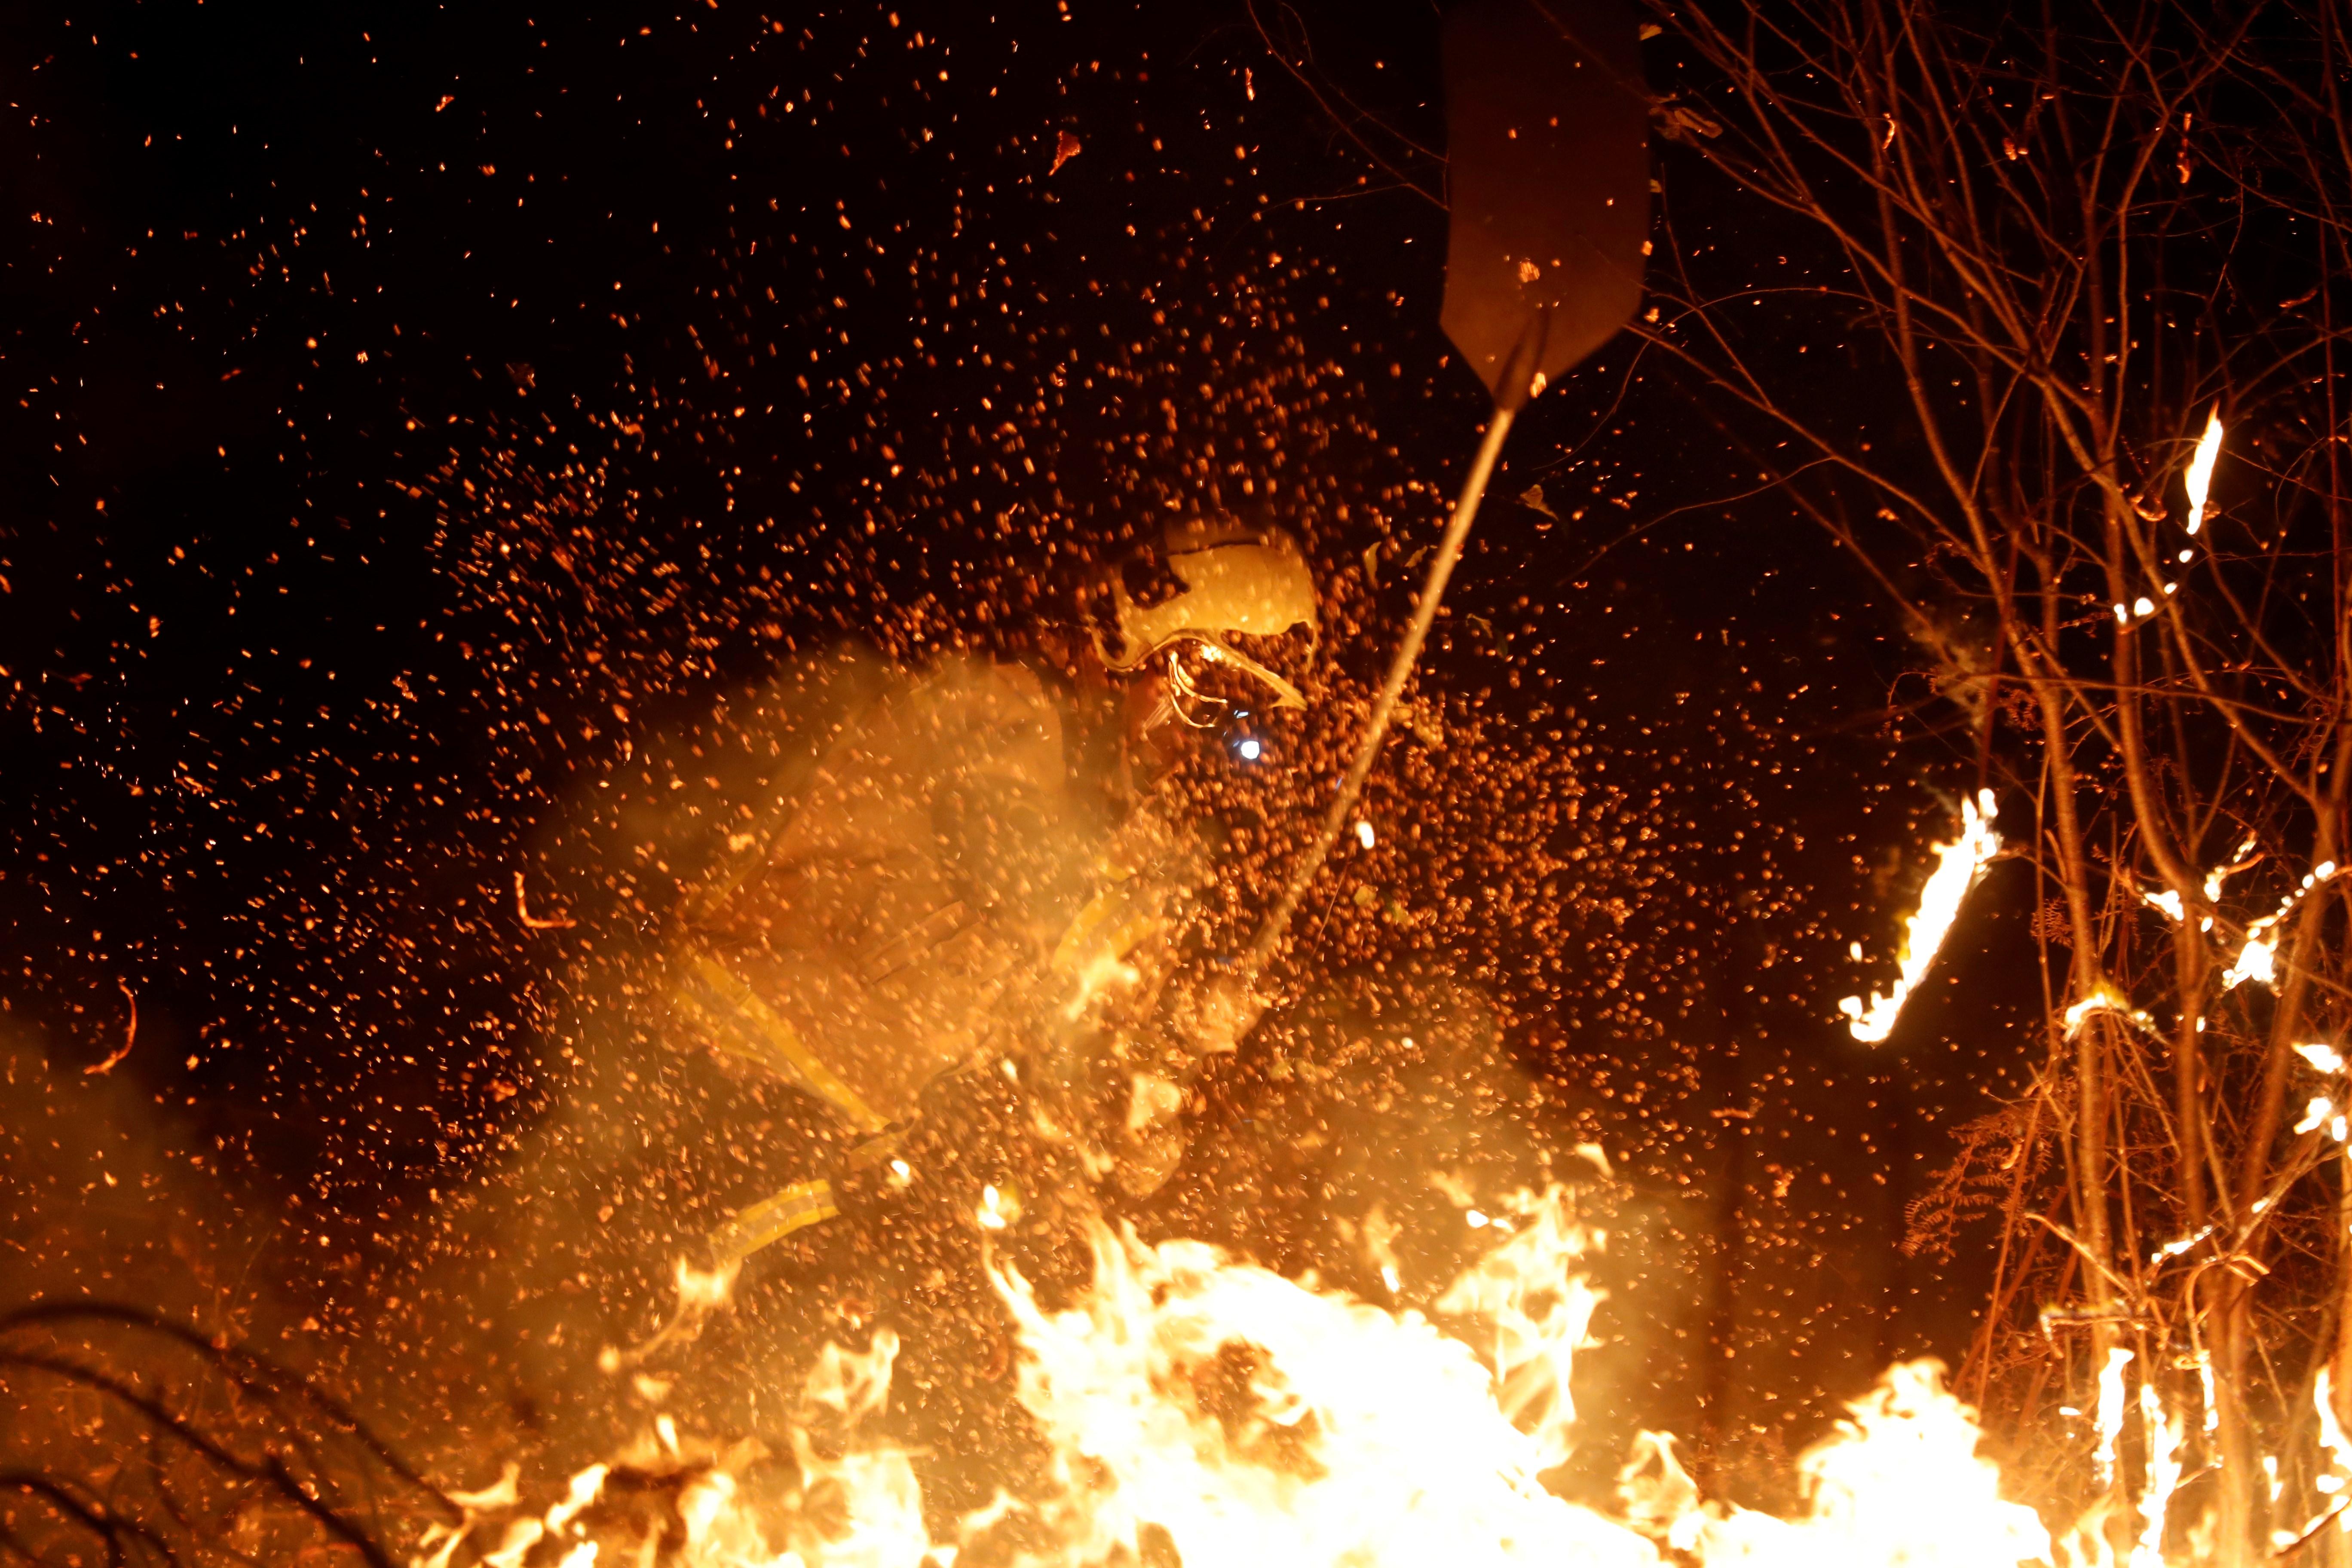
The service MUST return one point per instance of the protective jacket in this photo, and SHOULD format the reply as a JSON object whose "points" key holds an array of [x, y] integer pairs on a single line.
{"points": [[952, 875]]}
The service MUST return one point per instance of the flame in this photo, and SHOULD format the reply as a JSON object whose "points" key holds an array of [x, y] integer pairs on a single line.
{"points": [[2323, 1058], [1103, 970], [1899, 1482], [2104, 998], [2111, 1412], [1959, 865], [2332, 1440], [700, 1292], [2164, 1443], [1253, 1420], [2258, 959], [2200, 478], [1537, 1313]]}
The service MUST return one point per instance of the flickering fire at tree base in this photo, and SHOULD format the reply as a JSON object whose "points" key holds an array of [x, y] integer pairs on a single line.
{"points": [[1340, 1447]]}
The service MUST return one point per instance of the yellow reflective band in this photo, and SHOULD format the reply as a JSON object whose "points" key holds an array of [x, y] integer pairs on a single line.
{"points": [[770, 1041], [1087, 935], [798, 1206]]}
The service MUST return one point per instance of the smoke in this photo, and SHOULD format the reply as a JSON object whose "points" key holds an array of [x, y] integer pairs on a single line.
{"points": [[106, 1195]]}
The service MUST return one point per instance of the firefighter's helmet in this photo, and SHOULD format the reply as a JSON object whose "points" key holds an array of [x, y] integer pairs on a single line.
{"points": [[1228, 581]]}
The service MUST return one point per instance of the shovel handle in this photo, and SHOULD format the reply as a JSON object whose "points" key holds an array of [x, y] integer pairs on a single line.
{"points": [[1441, 570]]}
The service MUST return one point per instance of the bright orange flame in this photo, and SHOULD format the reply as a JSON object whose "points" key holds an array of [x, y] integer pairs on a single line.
{"points": [[1194, 1401], [2198, 482], [1253, 1420], [1958, 866]]}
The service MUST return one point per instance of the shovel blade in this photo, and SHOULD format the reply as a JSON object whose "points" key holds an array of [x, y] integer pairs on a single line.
{"points": [[1547, 180]]}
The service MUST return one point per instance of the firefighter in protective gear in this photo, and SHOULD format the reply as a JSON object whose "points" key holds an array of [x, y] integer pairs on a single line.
{"points": [[969, 870]]}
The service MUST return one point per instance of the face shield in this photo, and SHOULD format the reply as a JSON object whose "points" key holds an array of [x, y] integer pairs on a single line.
{"points": [[1231, 605]]}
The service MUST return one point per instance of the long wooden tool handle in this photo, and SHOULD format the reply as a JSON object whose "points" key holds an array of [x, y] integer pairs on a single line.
{"points": [[1449, 550]]}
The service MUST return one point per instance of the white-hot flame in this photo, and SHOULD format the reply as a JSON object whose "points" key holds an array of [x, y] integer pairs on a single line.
{"points": [[1958, 866], [2258, 960], [2331, 1434], [1533, 1312], [1899, 1482], [2163, 1478], [2103, 998], [2200, 480], [1190, 1402], [2323, 1058], [1255, 1421], [2111, 1412]]}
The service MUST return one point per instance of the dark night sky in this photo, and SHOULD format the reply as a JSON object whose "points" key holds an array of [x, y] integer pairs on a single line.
{"points": [[322, 324]]}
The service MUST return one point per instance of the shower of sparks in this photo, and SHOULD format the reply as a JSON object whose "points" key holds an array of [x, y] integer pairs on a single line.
{"points": [[1959, 865], [2200, 481]]}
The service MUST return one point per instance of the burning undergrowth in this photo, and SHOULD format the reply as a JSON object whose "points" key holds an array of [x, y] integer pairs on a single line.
{"points": [[1154, 1403]]}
